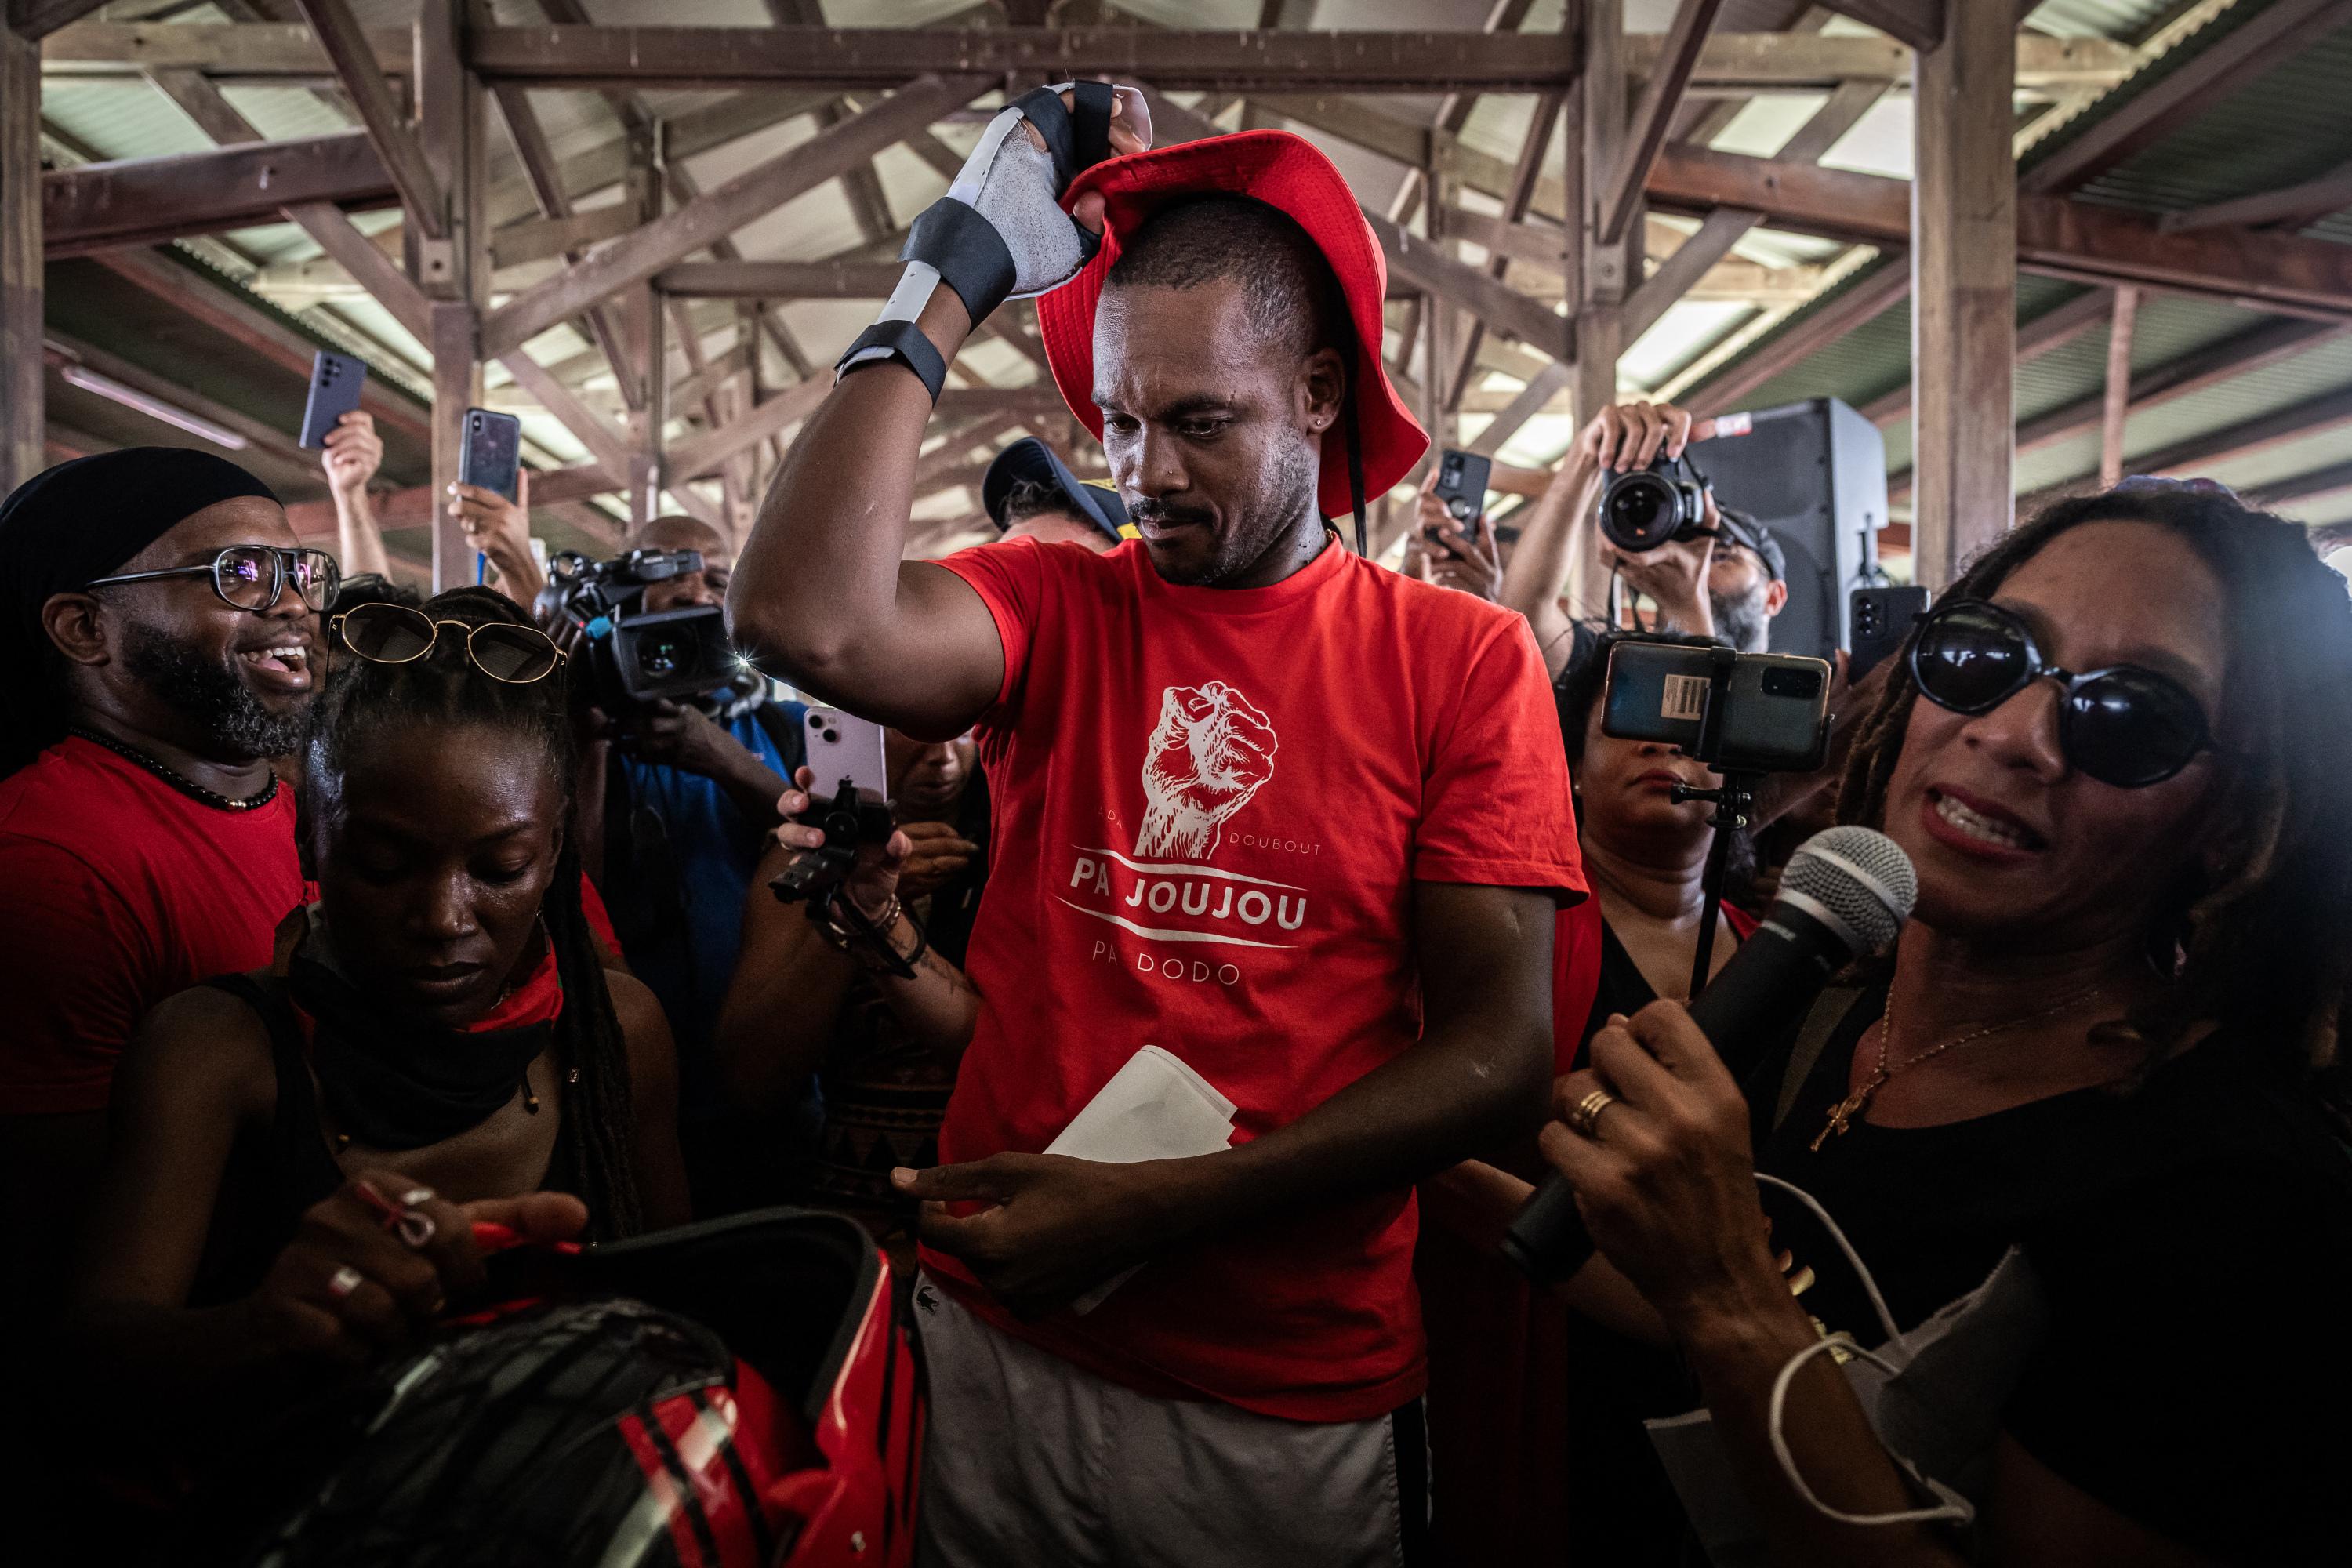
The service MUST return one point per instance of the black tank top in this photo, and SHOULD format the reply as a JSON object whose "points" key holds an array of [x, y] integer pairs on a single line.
{"points": [[272, 1180]]}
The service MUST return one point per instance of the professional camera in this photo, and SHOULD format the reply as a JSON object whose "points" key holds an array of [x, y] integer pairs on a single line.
{"points": [[1642, 508], [634, 659]]}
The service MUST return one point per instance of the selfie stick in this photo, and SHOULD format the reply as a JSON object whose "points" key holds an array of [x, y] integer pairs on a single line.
{"points": [[1734, 806]]}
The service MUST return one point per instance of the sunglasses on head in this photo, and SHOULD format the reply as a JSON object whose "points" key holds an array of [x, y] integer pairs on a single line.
{"points": [[2122, 725], [394, 634], [253, 576]]}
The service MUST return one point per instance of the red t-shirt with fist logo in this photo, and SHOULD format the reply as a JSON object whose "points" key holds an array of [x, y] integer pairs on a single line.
{"points": [[1212, 804]]}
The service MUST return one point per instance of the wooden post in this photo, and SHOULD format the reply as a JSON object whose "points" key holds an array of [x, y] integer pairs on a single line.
{"points": [[454, 272], [1963, 291], [641, 318], [23, 427], [1604, 277], [2119, 374]]}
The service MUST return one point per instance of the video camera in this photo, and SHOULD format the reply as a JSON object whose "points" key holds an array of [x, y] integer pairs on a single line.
{"points": [[635, 659]]}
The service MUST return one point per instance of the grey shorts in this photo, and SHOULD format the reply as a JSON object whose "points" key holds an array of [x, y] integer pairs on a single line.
{"points": [[1030, 1461]]}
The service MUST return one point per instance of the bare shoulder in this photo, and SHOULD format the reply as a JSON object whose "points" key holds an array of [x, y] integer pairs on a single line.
{"points": [[645, 1028], [200, 1046]]}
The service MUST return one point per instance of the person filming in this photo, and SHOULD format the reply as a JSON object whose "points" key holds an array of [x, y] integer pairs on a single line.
{"points": [[1296, 822], [1729, 581]]}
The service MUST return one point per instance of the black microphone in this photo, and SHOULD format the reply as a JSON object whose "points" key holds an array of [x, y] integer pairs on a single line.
{"points": [[1845, 893]]}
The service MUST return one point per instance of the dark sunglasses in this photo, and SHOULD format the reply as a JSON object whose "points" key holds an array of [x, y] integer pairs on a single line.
{"points": [[2122, 725], [394, 634], [252, 576]]}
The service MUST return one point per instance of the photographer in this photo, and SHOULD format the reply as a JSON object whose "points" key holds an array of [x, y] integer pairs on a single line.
{"points": [[1728, 582], [804, 1002], [688, 802]]}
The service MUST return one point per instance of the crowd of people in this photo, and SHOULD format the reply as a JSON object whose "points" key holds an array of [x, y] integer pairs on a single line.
{"points": [[341, 919]]}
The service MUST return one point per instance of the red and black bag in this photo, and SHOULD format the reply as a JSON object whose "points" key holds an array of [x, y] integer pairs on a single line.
{"points": [[737, 1393]]}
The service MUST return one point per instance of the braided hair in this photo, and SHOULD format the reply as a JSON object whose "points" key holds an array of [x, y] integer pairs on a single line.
{"points": [[2255, 938], [595, 1154]]}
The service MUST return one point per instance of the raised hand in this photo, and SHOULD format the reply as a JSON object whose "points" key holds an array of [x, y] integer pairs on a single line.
{"points": [[1210, 753], [353, 454]]}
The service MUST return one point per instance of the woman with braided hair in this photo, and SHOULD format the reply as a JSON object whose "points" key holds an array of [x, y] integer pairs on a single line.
{"points": [[297, 1152], [2109, 1038]]}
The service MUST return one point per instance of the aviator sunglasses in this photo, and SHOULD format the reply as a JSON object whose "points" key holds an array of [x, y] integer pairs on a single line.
{"points": [[252, 576], [394, 634], [2122, 725]]}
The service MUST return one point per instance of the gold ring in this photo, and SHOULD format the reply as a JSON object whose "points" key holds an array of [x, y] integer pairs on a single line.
{"points": [[1586, 1118]]}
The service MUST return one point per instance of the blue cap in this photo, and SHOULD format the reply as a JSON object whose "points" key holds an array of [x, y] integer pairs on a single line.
{"points": [[1030, 460]]}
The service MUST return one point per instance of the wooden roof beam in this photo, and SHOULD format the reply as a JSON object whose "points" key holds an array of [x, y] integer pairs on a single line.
{"points": [[2220, 68], [347, 47], [145, 201], [1919, 23], [2065, 238], [38, 18], [1727, 63], [1677, 56], [2291, 206], [843, 59], [2053, 329], [723, 209], [2194, 372]]}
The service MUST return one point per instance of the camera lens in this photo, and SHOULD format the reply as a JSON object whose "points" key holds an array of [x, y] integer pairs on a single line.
{"points": [[1785, 681], [662, 655]]}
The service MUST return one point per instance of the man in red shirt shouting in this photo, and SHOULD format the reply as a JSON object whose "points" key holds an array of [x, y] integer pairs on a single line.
{"points": [[1290, 818]]}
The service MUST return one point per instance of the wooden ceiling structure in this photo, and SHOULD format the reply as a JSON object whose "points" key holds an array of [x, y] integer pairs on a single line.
{"points": [[1548, 291]]}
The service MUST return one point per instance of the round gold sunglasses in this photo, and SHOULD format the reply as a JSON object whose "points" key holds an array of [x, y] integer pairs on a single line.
{"points": [[394, 634]]}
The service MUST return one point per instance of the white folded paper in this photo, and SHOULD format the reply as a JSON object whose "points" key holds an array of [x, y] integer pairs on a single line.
{"points": [[1154, 1107]]}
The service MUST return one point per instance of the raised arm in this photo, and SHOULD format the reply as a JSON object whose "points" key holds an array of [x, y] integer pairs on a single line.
{"points": [[353, 454], [821, 597], [1538, 566]]}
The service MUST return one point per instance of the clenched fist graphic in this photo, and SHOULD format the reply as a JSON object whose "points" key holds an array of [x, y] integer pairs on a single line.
{"points": [[1208, 754]]}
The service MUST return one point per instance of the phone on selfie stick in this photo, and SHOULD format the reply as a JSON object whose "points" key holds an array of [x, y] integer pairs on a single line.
{"points": [[1742, 714]]}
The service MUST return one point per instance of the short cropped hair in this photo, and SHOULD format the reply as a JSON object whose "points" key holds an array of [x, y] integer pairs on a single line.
{"points": [[1291, 293]]}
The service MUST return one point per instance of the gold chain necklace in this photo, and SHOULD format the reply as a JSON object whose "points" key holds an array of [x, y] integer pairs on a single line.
{"points": [[1842, 1114]]}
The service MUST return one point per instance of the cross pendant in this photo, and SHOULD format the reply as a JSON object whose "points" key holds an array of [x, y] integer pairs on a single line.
{"points": [[1842, 1115]]}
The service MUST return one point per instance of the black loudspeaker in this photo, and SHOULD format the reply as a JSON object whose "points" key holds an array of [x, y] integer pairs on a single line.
{"points": [[1815, 474]]}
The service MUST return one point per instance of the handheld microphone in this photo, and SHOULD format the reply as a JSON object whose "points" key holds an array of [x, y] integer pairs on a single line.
{"points": [[1845, 892]]}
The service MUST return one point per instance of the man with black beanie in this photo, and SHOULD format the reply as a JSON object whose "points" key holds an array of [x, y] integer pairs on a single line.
{"points": [[159, 631]]}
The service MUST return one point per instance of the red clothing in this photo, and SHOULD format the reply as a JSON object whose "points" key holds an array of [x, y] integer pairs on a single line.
{"points": [[1211, 805], [1500, 1350], [120, 890]]}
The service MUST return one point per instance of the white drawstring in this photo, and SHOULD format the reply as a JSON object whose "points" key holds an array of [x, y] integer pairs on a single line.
{"points": [[1954, 1507]]}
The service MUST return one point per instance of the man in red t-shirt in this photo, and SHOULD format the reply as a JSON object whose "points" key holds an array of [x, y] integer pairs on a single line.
{"points": [[1286, 815], [162, 630]]}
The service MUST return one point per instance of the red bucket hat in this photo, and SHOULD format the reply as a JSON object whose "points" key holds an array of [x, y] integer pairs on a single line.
{"points": [[1288, 172]]}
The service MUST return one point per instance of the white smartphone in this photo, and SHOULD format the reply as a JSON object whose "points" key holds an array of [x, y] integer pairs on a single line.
{"points": [[843, 746]]}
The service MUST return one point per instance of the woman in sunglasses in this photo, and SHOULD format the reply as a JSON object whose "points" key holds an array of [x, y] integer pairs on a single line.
{"points": [[295, 1150], [2107, 1037]]}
